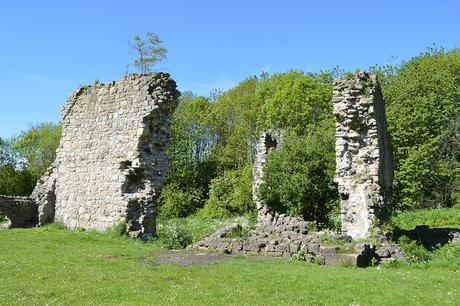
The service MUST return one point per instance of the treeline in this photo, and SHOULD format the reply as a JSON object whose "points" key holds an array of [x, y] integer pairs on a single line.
{"points": [[25, 157], [213, 140]]}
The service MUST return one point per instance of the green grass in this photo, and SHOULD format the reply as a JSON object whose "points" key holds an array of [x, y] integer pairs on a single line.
{"points": [[445, 217], [53, 266]]}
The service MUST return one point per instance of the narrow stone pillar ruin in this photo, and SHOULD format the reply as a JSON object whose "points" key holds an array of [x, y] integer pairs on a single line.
{"points": [[364, 172], [268, 141], [111, 161]]}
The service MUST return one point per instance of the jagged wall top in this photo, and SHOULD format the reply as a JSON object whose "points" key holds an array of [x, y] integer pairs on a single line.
{"points": [[111, 161], [364, 171]]}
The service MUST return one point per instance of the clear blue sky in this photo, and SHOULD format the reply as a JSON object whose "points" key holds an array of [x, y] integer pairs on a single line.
{"points": [[50, 47]]}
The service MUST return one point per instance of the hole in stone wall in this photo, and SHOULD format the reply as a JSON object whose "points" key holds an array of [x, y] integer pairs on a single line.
{"points": [[134, 181], [344, 196], [126, 164], [270, 142]]}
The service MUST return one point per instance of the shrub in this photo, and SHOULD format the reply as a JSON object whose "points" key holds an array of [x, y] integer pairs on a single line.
{"points": [[415, 253], [448, 255], [230, 194], [200, 227], [118, 230], [178, 203], [174, 237], [299, 177], [56, 225]]}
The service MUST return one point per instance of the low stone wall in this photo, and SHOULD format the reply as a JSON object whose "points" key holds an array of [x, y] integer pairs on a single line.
{"points": [[20, 211], [288, 244]]}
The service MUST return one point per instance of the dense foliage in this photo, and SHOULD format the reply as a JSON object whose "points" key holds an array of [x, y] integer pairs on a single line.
{"points": [[423, 111], [24, 158], [14, 178], [299, 178], [214, 140]]}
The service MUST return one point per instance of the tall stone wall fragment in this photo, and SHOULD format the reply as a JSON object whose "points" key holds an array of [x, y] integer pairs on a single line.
{"points": [[268, 141], [111, 161], [45, 196], [364, 171]]}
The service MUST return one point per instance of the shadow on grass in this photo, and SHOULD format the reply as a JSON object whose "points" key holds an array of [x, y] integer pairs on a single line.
{"points": [[430, 238]]}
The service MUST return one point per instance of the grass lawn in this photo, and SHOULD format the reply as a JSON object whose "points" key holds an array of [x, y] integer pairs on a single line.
{"points": [[444, 217], [62, 267]]}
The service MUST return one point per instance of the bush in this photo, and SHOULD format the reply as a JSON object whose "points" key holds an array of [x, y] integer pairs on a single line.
{"points": [[448, 255], [178, 203], [230, 194], [56, 225], [415, 253], [299, 177], [174, 237]]}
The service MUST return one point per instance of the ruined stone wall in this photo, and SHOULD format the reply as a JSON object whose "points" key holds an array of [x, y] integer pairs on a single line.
{"points": [[111, 161], [268, 141], [20, 211], [268, 221], [364, 161]]}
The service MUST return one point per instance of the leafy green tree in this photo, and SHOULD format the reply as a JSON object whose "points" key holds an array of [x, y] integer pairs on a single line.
{"points": [[15, 179], [234, 121], [295, 100], [189, 153], [299, 176], [149, 51], [423, 113], [230, 194], [37, 147]]}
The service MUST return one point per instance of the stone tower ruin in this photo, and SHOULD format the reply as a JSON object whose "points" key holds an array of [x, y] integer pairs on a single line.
{"points": [[364, 161], [111, 161], [268, 141]]}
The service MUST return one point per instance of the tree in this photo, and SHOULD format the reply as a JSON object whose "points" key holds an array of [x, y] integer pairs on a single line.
{"points": [[298, 177], [233, 119], [37, 147], [149, 51], [189, 153], [423, 111], [295, 100], [15, 179]]}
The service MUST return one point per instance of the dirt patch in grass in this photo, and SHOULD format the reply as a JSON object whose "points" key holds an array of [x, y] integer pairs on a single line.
{"points": [[183, 258]]}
